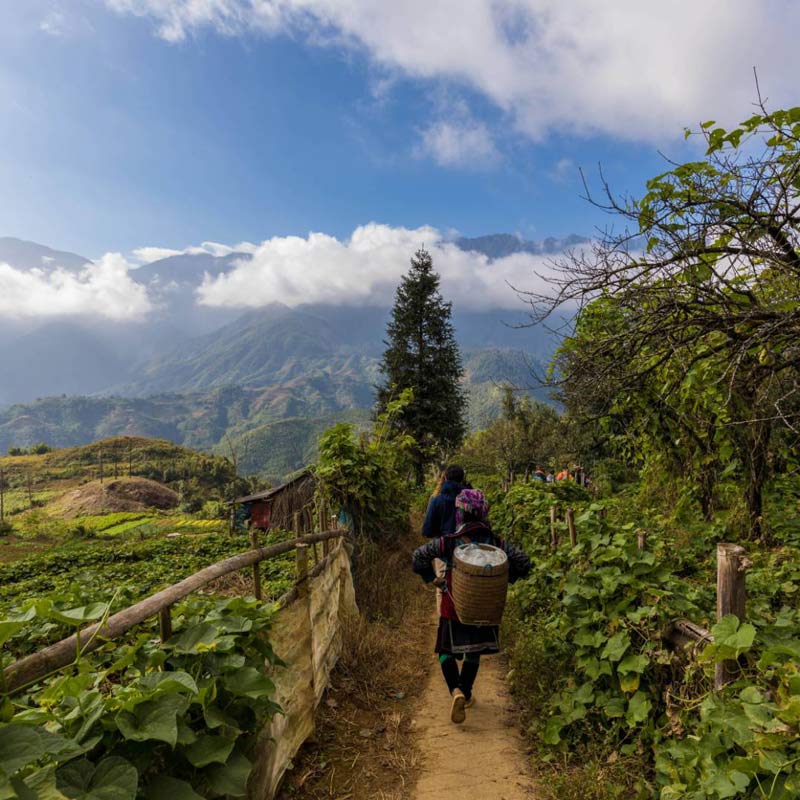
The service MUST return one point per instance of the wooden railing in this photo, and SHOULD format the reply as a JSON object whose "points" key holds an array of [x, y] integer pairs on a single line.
{"points": [[62, 654], [683, 634]]}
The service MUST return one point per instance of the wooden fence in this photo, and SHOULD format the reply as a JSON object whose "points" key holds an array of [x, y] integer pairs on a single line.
{"points": [[306, 635], [683, 634]]}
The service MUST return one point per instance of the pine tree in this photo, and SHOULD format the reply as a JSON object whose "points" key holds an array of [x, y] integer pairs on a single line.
{"points": [[422, 354]]}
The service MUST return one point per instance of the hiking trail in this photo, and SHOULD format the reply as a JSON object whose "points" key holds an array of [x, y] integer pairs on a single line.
{"points": [[483, 757]]}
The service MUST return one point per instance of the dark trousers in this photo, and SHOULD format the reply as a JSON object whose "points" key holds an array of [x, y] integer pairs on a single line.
{"points": [[465, 677]]}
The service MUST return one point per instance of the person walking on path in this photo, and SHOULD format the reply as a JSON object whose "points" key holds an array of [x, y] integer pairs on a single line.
{"points": [[454, 639], [440, 519]]}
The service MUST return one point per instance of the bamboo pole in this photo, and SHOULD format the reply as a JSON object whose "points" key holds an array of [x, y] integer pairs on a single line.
{"points": [[553, 531], [732, 565], [256, 566], [165, 623], [687, 635], [573, 534], [301, 569], [297, 525], [323, 514], [641, 539], [50, 659]]}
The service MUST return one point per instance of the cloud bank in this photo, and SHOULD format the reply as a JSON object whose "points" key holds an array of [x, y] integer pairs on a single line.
{"points": [[103, 288], [459, 144], [146, 255], [632, 69], [365, 270]]}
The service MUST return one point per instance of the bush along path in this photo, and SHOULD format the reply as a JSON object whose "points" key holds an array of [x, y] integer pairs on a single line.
{"points": [[482, 757], [612, 704]]}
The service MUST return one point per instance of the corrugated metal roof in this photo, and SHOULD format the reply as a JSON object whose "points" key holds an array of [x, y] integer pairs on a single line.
{"points": [[275, 490]]}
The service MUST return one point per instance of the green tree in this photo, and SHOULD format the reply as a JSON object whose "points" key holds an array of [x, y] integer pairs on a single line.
{"points": [[704, 284], [422, 355]]}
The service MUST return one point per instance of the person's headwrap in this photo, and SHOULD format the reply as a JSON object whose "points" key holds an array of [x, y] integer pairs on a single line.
{"points": [[472, 503]]}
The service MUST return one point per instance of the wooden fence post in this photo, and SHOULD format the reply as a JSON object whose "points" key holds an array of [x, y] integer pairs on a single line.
{"points": [[573, 534], [553, 532], [165, 623], [256, 566], [301, 569], [323, 515], [641, 539], [731, 598]]}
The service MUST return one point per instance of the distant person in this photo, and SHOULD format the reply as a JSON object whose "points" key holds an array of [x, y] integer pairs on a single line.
{"points": [[539, 475], [563, 475], [455, 640], [550, 477], [441, 517]]}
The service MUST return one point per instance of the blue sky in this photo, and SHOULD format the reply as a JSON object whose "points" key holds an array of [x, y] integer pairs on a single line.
{"points": [[119, 133]]}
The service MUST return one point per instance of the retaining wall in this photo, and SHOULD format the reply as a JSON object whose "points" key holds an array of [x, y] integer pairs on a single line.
{"points": [[307, 636]]}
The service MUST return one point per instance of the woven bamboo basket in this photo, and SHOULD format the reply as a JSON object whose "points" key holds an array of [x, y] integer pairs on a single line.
{"points": [[479, 593]]}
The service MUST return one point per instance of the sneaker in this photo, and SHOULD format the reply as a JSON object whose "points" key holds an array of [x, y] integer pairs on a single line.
{"points": [[470, 702], [457, 713]]}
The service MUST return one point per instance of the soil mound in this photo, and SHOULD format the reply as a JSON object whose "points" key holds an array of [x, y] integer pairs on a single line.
{"points": [[128, 494]]}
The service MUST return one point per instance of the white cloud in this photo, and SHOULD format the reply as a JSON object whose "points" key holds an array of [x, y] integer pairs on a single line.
{"points": [[459, 144], [564, 170], [53, 23], [365, 270], [103, 288], [635, 69], [146, 255], [60, 22]]}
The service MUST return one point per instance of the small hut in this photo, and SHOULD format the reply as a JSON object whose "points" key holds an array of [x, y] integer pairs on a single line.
{"points": [[276, 507]]}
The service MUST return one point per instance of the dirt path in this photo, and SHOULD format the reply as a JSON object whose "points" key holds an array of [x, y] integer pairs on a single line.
{"points": [[484, 757], [384, 729]]}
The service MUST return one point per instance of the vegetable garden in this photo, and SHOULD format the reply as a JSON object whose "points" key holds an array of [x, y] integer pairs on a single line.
{"points": [[602, 684]]}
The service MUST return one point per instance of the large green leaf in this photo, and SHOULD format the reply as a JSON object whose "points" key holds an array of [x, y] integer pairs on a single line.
{"points": [[216, 717], [589, 638], [178, 681], [163, 787], [199, 638], [19, 746], [249, 682], [732, 638], [153, 719], [616, 646], [113, 778], [78, 616], [633, 663], [14, 623], [231, 778], [552, 731], [208, 750], [42, 782], [727, 785], [638, 708]]}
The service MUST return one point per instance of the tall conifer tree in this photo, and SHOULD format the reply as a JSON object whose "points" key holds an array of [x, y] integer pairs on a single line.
{"points": [[422, 354]]}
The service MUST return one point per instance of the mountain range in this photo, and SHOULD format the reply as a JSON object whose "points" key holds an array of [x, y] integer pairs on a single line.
{"points": [[259, 386]]}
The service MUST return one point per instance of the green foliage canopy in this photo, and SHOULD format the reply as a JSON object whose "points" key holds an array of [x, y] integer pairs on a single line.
{"points": [[422, 355]]}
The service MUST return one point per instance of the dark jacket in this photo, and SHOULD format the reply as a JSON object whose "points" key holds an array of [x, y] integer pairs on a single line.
{"points": [[441, 517], [519, 564]]}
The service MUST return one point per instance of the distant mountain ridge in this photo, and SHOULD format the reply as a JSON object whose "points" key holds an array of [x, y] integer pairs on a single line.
{"points": [[22, 254], [501, 245], [213, 378]]}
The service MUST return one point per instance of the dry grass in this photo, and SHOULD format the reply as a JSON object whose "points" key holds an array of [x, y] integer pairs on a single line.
{"points": [[364, 748], [121, 494]]}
